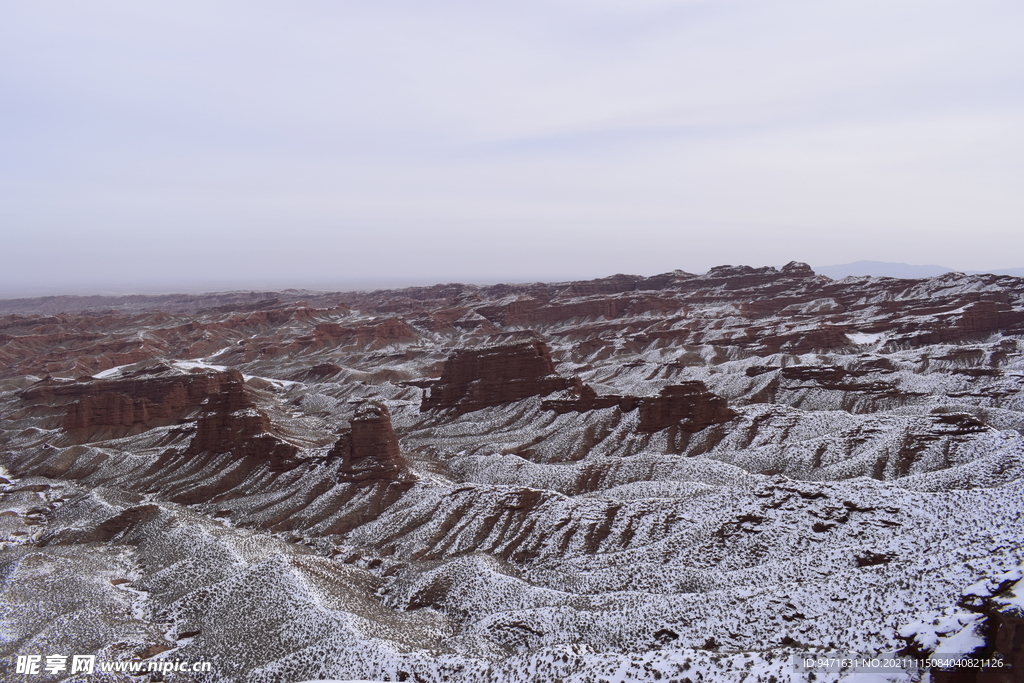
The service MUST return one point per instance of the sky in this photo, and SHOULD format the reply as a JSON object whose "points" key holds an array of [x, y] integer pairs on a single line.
{"points": [[200, 146]]}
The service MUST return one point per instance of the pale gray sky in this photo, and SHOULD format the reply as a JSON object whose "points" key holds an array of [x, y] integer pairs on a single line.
{"points": [[215, 145]]}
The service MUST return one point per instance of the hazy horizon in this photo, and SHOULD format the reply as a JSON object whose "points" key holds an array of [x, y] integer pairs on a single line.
{"points": [[871, 268], [226, 145]]}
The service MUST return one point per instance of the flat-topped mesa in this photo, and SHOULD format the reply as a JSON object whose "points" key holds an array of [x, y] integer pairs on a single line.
{"points": [[369, 451], [151, 397], [689, 406], [479, 378]]}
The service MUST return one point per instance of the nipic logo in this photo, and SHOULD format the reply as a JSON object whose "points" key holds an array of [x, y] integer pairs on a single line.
{"points": [[54, 664], [32, 665]]}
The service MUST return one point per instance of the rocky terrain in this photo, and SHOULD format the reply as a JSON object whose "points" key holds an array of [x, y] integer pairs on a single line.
{"points": [[671, 478]]}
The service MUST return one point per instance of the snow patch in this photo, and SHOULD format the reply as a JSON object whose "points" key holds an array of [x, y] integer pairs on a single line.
{"points": [[865, 338], [111, 372], [194, 364]]}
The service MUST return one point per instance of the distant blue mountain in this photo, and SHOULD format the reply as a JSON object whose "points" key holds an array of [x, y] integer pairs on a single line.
{"points": [[900, 270]]}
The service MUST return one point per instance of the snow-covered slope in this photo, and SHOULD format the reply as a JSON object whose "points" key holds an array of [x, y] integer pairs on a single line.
{"points": [[670, 478]]}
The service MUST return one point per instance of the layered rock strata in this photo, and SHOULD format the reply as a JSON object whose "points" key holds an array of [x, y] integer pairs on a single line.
{"points": [[588, 399], [147, 398], [688, 406], [480, 378], [762, 461], [369, 451], [232, 423]]}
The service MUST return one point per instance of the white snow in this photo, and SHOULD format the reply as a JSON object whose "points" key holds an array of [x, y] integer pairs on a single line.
{"points": [[966, 641], [110, 372], [194, 364], [865, 338]]}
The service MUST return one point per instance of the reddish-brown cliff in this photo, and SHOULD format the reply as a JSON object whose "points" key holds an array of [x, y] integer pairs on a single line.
{"points": [[369, 451], [588, 399], [689, 405], [478, 378], [150, 397], [231, 423]]}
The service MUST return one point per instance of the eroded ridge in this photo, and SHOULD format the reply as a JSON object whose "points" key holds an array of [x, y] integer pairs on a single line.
{"points": [[631, 478]]}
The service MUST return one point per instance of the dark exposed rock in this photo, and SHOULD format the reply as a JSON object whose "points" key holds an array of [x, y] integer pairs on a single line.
{"points": [[736, 277], [868, 364], [375, 335], [1008, 644], [821, 374], [689, 405], [1000, 636], [871, 558], [665, 636], [797, 269], [147, 398], [942, 427], [106, 530], [231, 423], [862, 378], [479, 378], [957, 424], [369, 451], [589, 399], [608, 285], [970, 321], [323, 370]]}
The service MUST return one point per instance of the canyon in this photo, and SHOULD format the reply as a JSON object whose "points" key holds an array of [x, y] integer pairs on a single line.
{"points": [[670, 478]]}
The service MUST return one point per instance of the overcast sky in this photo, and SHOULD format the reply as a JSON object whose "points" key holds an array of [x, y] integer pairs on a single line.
{"points": [[189, 146]]}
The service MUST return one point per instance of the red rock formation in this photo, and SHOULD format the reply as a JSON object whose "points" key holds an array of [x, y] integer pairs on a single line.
{"points": [[231, 423], [147, 398], [607, 285], [326, 334], [116, 410], [369, 451], [973, 321], [1001, 634], [322, 371], [590, 400], [387, 331], [863, 379], [155, 396], [1008, 644], [478, 378], [689, 405], [530, 311]]}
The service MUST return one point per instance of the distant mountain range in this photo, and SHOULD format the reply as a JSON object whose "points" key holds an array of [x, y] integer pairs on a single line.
{"points": [[900, 270]]}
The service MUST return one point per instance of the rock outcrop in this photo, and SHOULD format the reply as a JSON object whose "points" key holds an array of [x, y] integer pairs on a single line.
{"points": [[369, 451], [147, 398], [850, 456], [996, 633], [479, 378], [587, 399], [231, 423], [1008, 613], [322, 371], [689, 405]]}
